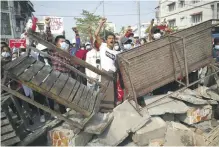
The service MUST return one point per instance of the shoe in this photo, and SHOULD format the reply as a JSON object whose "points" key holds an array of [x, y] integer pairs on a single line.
{"points": [[42, 119]]}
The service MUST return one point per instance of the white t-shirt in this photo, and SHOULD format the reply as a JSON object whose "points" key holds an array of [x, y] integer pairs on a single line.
{"points": [[108, 58]]}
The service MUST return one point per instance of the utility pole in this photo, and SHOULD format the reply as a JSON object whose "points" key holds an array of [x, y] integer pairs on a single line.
{"points": [[139, 19], [104, 24]]}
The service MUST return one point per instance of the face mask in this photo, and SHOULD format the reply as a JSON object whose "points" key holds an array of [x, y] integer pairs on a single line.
{"points": [[6, 54], [157, 36], [116, 47], [82, 48], [64, 46], [127, 46], [88, 47], [216, 47]]}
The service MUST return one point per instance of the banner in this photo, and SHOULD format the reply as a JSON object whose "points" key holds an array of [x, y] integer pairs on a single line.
{"points": [[17, 43], [56, 24]]}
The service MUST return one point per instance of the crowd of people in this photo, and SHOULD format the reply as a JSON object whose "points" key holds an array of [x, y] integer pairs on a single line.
{"points": [[100, 52]]}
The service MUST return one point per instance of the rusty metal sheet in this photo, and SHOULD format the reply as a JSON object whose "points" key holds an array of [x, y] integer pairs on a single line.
{"points": [[157, 63]]}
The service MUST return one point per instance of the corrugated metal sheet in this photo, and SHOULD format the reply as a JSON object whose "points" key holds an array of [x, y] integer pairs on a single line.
{"points": [[152, 65]]}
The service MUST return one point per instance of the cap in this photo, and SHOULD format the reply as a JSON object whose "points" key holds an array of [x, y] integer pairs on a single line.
{"points": [[125, 40]]}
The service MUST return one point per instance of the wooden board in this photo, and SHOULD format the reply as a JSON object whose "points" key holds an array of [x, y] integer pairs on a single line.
{"points": [[83, 97], [87, 102], [6, 129], [7, 136], [32, 71], [10, 141], [38, 79], [69, 86], [14, 63], [59, 84], [20, 68], [74, 91], [3, 115], [47, 85], [92, 101], [4, 122], [79, 94]]}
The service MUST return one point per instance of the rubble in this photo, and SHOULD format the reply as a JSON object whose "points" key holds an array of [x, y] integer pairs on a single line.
{"points": [[98, 123], [157, 142], [81, 139], [207, 93], [153, 129], [164, 105], [212, 138], [196, 114], [126, 119]]}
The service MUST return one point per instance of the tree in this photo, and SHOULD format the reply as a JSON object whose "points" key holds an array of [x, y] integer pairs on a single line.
{"points": [[88, 19]]}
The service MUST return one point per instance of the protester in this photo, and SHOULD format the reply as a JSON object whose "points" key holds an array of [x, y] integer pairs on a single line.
{"points": [[4, 44], [93, 58], [88, 46], [108, 55], [75, 43], [126, 43], [143, 41], [117, 47]]}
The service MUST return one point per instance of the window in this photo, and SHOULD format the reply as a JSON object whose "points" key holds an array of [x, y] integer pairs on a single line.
{"points": [[172, 6], [212, 11], [4, 5], [5, 24], [195, 1], [197, 18], [172, 23], [181, 3]]}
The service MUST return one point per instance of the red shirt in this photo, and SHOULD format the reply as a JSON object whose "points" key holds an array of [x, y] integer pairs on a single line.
{"points": [[81, 54]]}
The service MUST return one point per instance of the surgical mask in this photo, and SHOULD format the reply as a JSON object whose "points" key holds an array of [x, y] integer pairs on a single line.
{"points": [[116, 47], [127, 46], [82, 48], [64, 46], [157, 36], [6, 54], [216, 47], [88, 47]]}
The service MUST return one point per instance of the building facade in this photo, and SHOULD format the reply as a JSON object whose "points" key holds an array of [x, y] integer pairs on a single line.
{"points": [[186, 13], [144, 26], [14, 15]]}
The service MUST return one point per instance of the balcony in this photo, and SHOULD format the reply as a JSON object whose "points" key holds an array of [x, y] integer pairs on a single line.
{"points": [[30, 5]]}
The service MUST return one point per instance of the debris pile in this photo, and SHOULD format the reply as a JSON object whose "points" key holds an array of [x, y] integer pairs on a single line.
{"points": [[186, 118]]}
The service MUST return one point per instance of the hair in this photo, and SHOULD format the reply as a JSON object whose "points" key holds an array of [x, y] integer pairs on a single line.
{"points": [[5, 47], [110, 34], [59, 37], [67, 41], [216, 40], [4, 43]]}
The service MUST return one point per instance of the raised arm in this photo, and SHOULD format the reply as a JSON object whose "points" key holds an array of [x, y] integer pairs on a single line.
{"points": [[77, 38], [97, 33], [48, 32]]}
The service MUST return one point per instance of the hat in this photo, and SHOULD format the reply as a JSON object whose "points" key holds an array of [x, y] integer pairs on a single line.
{"points": [[87, 43], [125, 40]]}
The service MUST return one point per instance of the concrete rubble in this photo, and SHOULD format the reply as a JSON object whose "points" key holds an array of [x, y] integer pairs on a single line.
{"points": [[184, 118]]}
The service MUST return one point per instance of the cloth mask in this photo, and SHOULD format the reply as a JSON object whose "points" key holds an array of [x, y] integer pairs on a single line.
{"points": [[6, 54], [157, 36], [116, 47], [64, 46], [127, 46], [216, 47]]}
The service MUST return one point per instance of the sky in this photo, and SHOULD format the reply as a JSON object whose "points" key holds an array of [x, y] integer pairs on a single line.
{"points": [[122, 13]]}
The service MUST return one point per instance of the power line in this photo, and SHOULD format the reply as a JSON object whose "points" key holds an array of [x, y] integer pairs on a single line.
{"points": [[97, 7], [106, 15]]}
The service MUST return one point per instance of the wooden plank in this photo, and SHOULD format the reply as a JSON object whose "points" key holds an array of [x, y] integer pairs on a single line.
{"points": [[79, 94], [47, 85], [3, 115], [87, 102], [92, 101], [4, 122], [83, 97], [38, 79], [74, 91], [14, 62], [69, 86], [6, 129], [32, 71], [59, 84], [10, 141], [7, 136], [20, 68]]}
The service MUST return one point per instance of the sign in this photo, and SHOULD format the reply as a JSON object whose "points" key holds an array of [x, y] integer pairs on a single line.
{"points": [[56, 24], [17, 43]]}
